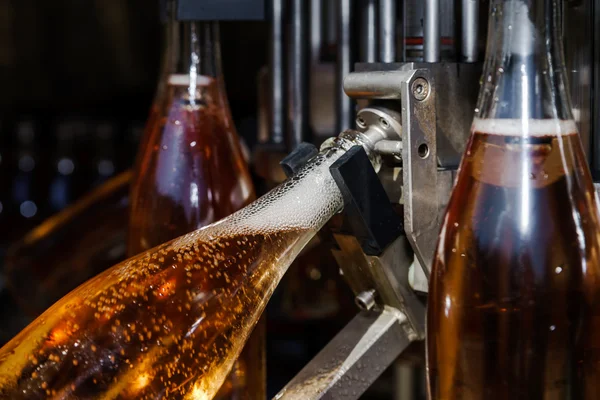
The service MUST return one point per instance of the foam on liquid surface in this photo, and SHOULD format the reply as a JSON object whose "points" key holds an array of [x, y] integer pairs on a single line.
{"points": [[519, 127], [304, 202]]}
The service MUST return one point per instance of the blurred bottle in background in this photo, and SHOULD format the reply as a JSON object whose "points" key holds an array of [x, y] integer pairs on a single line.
{"points": [[190, 170]]}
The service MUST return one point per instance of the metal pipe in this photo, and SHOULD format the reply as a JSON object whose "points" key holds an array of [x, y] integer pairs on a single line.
{"points": [[299, 62], [368, 34], [387, 31], [277, 69], [431, 31], [331, 25], [316, 29], [469, 30], [345, 105]]}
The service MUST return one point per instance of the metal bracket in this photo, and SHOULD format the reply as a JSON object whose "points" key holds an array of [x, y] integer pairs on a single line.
{"points": [[353, 360], [419, 169], [223, 10]]}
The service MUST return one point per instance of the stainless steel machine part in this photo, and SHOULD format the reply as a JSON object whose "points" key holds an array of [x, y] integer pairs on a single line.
{"points": [[368, 30], [345, 105], [387, 31], [298, 94], [470, 30], [277, 72], [316, 30], [431, 32], [353, 360]]}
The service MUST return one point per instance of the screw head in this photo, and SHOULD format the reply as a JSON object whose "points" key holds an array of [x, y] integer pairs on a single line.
{"points": [[361, 122], [420, 89]]}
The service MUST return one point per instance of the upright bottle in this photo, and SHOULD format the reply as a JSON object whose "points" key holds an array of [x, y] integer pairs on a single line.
{"points": [[514, 293], [170, 322], [191, 171]]}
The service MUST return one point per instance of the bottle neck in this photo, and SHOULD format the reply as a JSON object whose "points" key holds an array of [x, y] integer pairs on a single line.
{"points": [[524, 75], [194, 48], [192, 58]]}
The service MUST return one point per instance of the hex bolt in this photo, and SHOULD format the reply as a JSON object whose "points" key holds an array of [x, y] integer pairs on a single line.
{"points": [[420, 89], [365, 300]]}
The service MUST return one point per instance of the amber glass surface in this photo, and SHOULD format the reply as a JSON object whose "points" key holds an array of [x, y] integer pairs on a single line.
{"points": [[515, 293], [192, 172], [70, 247], [170, 322], [514, 296]]}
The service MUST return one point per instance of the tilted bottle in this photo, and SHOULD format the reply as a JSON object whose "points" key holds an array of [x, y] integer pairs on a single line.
{"points": [[170, 322], [514, 292], [191, 171]]}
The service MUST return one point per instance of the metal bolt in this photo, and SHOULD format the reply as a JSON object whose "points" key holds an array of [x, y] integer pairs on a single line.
{"points": [[365, 300], [361, 122], [420, 89]]}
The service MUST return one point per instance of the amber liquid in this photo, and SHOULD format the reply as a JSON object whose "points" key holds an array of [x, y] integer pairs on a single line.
{"points": [[513, 309], [190, 173], [168, 323]]}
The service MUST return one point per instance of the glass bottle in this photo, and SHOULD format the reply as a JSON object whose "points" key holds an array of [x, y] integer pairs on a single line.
{"points": [[170, 322], [70, 247], [191, 171], [515, 284]]}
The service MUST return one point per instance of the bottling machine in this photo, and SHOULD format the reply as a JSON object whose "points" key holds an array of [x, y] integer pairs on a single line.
{"points": [[407, 71]]}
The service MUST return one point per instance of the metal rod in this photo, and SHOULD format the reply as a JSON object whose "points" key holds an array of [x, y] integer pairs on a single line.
{"points": [[316, 29], [368, 34], [299, 62], [431, 31], [469, 30], [277, 69], [387, 31], [404, 387], [345, 105], [331, 22], [353, 359]]}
